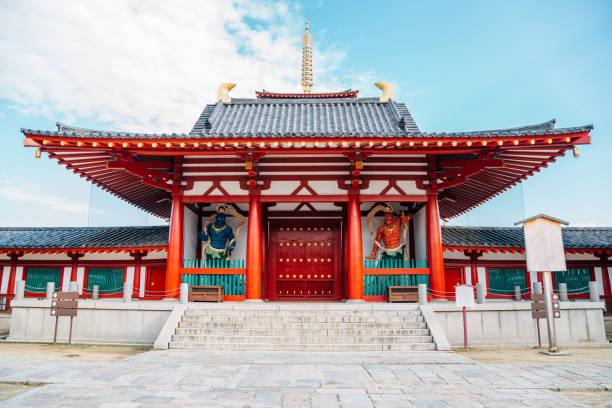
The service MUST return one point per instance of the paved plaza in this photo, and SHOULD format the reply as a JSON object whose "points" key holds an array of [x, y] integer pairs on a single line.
{"points": [[282, 379]]}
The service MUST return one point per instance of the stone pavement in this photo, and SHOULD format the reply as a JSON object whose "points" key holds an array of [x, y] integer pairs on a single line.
{"points": [[179, 378]]}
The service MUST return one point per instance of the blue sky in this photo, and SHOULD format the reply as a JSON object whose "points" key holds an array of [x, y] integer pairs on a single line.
{"points": [[152, 66]]}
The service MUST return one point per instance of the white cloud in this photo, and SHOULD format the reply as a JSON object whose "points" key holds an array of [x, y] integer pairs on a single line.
{"points": [[150, 66], [14, 193]]}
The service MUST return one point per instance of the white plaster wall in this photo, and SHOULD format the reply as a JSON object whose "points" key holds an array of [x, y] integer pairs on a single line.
{"points": [[101, 322], [153, 255], [129, 278], [190, 233], [81, 278], [481, 272], [46, 257], [510, 324], [241, 243], [420, 234], [4, 257], [6, 271], [66, 279], [599, 280], [107, 256], [581, 257], [468, 275], [143, 274], [18, 277]]}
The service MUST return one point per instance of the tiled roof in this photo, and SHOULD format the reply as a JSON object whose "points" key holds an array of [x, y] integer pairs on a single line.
{"points": [[83, 237], [512, 237], [268, 118], [343, 117]]}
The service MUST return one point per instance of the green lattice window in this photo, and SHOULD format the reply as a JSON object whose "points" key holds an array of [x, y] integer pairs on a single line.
{"points": [[503, 281], [37, 278], [110, 280], [577, 280]]}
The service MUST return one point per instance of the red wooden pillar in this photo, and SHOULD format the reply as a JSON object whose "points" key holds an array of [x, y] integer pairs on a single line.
{"points": [[253, 256], [175, 246], [434, 246], [264, 251], [74, 257], [355, 251], [473, 264], [11, 283]]}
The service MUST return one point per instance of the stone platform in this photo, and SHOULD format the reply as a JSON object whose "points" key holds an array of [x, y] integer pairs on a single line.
{"points": [[180, 378]]}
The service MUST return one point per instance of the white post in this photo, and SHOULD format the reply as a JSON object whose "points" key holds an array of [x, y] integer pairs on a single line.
{"points": [[50, 290], [550, 320], [20, 290], [481, 293], [422, 294], [184, 293], [594, 291], [563, 292], [127, 293], [95, 292], [517, 293], [537, 288], [74, 286]]}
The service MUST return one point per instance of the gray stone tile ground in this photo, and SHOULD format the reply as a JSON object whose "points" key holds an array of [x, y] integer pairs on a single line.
{"points": [[175, 378]]}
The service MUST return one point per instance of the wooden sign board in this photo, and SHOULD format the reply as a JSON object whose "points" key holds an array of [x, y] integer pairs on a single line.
{"points": [[544, 243], [64, 312], [538, 306], [65, 295], [64, 304]]}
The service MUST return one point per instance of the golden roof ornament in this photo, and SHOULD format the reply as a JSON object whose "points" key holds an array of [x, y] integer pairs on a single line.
{"points": [[307, 61]]}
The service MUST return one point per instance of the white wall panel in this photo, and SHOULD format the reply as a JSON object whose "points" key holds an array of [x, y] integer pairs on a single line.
{"points": [[420, 234], [6, 271], [81, 278], [190, 233], [599, 279], [66, 279], [481, 271], [18, 276], [199, 188], [129, 278], [143, 275], [468, 275]]}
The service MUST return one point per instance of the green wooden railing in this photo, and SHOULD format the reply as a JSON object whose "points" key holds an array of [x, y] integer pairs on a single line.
{"points": [[109, 280], [503, 280], [376, 285], [37, 278], [394, 263], [577, 280], [232, 284], [214, 263]]}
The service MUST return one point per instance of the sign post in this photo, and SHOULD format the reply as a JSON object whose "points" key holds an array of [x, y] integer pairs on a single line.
{"points": [[464, 298], [64, 304], [544, 252]]}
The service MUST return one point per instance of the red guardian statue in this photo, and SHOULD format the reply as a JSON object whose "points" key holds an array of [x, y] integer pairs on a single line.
{"points": [[389, 236]]}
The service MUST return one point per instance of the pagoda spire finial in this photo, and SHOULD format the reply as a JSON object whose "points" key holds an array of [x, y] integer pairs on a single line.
{"points": [[307, 61]]}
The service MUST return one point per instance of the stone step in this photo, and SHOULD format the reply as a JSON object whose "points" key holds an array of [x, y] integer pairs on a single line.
{"points": [[302, 347], [275, 313], [306, 319], [294, 339], [273, 331], [300, 326]]}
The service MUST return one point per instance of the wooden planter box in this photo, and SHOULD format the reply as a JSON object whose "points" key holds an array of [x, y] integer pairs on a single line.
{"points": [[206, 293], [403, 294]]}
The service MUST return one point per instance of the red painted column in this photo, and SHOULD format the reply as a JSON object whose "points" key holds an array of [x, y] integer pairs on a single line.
{"points": [[136, 286], [74, 264], [355, 250], [175, 246], [10, 290], [434, 246], [474, 267], [253, 255]]}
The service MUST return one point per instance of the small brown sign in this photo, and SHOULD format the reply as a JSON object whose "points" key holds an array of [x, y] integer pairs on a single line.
{"points": [[64, 312], [538, 306], [65, 304]]}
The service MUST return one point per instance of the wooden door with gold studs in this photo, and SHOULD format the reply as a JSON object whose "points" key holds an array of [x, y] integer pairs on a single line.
{"points": [[304, 260]]}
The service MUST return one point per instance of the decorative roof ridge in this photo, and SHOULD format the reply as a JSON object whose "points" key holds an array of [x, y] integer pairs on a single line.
{"points": [[264, 101]]}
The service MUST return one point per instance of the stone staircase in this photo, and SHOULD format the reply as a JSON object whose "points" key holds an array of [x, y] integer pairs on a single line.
{"points": [[302, 327]]}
